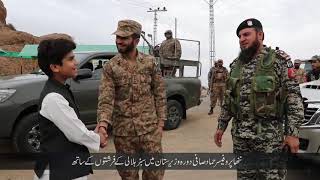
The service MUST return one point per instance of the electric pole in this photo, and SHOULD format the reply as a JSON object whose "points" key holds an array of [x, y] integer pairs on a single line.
{"points": [[212, 51], [155, 20]]}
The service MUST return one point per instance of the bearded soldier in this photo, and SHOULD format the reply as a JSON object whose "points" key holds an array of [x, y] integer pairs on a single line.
{"points": [[299, 74], [259, 94]]}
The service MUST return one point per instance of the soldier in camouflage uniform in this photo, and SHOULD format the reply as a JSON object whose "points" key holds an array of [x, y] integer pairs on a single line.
{"points": [[298, 73], [315, 73], [257, 91], [217, 83], [132, 99], [170, 49]]}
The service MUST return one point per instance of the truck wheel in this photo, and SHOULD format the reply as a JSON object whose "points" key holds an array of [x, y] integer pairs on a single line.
{"points": [[26, 136], [174, 115]]}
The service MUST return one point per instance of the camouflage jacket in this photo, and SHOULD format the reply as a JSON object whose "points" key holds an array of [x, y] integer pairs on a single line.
{"points": [[270, 128], [170, 48], [299, 75], [132, 99], [313, 75], [217, 75]]}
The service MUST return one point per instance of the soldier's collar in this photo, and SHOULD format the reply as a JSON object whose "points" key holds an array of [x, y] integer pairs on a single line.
{"points": [[264, 50], [138, 58]]}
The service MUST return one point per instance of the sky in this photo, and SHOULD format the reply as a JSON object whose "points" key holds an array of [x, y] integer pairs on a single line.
{"points": [[291, 25]]}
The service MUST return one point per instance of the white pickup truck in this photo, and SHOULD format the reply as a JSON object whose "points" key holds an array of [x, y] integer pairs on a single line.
{"points": [[310, 130]]}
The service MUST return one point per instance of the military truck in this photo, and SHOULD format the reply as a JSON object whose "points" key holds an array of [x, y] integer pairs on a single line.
{"points": [[19, 95]]}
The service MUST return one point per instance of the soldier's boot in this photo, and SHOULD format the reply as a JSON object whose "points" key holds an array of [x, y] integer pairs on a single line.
{"points": [[210, 111]]}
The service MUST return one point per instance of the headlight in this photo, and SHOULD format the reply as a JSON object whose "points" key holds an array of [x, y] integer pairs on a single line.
{"points": [[6, 94]]}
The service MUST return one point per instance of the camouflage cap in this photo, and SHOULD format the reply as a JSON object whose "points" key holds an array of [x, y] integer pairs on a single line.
{"points": [[315, 58], [127, 28], [297, 61]]}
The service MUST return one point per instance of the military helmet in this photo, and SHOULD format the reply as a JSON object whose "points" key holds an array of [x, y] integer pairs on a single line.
{"points": [[168, 32]]}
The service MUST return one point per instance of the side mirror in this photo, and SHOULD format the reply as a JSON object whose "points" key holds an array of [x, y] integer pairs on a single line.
{"points": [[83, 74]]}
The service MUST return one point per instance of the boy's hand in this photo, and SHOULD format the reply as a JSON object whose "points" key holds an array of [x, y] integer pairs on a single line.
{"points": [[102, 131], [103, 140]]}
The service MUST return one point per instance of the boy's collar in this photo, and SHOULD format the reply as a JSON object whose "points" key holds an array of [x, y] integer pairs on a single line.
{"points": [[59, 84]]}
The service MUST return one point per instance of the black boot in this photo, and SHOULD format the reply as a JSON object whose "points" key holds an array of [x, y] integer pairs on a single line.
{"points": [[211, 111]]}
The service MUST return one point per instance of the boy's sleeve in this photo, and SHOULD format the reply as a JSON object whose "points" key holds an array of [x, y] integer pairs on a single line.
{"points": [[56, 109]]}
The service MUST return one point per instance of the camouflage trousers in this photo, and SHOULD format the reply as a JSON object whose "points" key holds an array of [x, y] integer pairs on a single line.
{"points": [[243, 146], [217, 92], [147, 143]]}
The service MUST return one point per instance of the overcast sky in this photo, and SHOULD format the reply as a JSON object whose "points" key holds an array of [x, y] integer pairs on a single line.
{"points": [[293, 25]]}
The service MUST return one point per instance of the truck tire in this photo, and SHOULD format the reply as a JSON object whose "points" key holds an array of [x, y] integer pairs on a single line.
{"points": [[174, 115], [26, 136]]}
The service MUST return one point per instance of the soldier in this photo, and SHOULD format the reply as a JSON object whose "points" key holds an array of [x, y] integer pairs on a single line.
{"points": [[170, 49], [315, 73], [298, 73], [257, 91], [132, 99], [209, 80], [217, 83]]}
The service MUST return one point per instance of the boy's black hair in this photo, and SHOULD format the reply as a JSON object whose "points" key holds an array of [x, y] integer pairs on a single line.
{"points": [[52, 51]]}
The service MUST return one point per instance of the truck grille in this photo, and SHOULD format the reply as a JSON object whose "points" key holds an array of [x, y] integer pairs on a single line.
{"points": [[308, 113], [312, 86]]}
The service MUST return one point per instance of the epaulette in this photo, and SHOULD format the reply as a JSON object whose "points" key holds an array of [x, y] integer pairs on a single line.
{"points": [[282, 55], [233, 63]]}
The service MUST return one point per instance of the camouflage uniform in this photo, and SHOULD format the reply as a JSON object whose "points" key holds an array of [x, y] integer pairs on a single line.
{"points": [[133, 101], [299, 75], [170, 49], [313, 75], [217, 84], [252, 133]]}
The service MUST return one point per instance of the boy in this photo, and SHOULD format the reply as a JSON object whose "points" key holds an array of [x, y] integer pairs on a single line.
{"points": [[63, 135]]}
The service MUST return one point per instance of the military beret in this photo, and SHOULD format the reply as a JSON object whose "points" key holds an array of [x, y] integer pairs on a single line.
{"points": [[249, 23], [127, 28]]}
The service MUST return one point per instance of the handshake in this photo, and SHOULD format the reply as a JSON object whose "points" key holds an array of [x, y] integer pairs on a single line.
{"points": [[102, 132]]}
